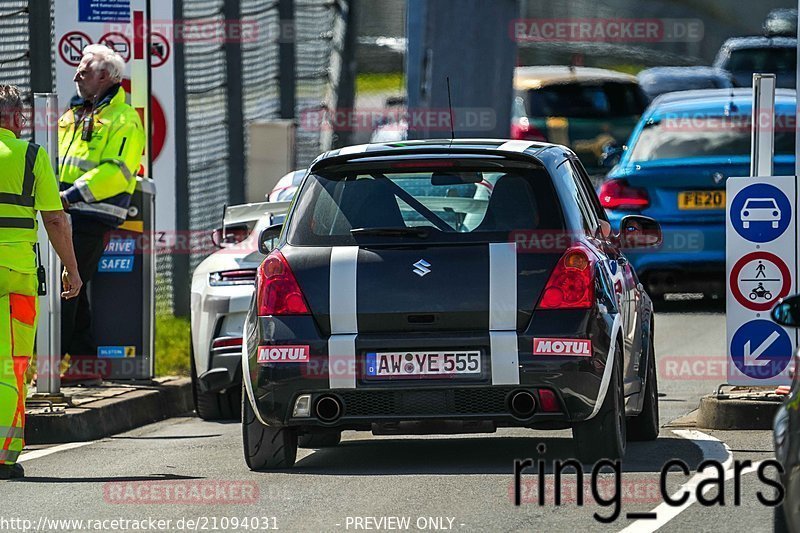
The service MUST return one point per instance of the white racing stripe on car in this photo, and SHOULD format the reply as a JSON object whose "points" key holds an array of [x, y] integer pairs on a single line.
{"points": [[344, 319], [615, 327], [503, 313], [516, 146]]}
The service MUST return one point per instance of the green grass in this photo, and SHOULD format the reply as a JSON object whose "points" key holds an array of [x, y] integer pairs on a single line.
{"points": [[381, 83], [172, 346]]}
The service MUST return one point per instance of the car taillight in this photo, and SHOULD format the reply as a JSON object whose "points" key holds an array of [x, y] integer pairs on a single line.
{"points": [[226, 342], [278, 290], [571, 284], [521, 129], [245, 276], [617, 194]]}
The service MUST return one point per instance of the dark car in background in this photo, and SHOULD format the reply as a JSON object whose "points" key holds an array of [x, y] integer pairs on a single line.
{"points": [[744, 56], [398, 299], [586, 109], [659, 80], [674, 170]]}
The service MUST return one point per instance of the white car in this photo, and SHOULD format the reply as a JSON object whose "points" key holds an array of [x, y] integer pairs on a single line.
{"points": [[222, 286], [760, 210]]}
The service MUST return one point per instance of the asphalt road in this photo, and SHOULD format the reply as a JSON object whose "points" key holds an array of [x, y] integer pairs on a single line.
{"points": [[190, 474]]}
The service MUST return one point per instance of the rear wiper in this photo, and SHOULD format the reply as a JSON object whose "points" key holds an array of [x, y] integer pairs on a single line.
{"points": [[422, 233]]}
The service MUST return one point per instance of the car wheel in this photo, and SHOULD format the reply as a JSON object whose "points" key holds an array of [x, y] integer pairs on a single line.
{"points": [[745, 225], [645, 425], [319, 439], [265, 447], [775, 225], [214, 405], [779, 524], [604, 436]]}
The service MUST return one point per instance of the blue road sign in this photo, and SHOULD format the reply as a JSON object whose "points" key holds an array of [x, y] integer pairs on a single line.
{"points": [[761, 349], [760, 213]]}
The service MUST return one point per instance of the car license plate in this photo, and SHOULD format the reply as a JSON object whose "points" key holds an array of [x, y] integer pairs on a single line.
{"points": [[424, 364], [701, 200]]}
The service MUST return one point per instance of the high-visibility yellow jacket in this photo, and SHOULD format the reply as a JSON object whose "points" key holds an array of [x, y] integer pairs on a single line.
{"points": [[27, 185], [98, 172]]}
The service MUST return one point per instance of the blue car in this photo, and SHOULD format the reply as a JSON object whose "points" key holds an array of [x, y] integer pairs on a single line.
{"points": [[674, 168]]}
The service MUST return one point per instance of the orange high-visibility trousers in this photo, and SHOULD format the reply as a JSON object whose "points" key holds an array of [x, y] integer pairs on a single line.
{"points": [[19, 306]]}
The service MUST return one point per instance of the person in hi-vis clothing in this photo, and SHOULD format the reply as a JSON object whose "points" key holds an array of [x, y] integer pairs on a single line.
{"points": [[101, 142], [27, 185]]}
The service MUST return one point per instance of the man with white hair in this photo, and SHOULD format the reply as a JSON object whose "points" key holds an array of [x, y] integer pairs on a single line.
{"points": [[101, 141]]}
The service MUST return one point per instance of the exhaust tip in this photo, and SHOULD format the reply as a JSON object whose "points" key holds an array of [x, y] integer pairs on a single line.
{"points": [[523, 404], [328, 408]]}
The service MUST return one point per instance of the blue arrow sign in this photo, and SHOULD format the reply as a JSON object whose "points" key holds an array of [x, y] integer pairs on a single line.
{"points": [[761, 349], [760, 213]]}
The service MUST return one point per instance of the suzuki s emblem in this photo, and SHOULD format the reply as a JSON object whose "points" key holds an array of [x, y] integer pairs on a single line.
{"points": [[422, 268], [718, 177]]}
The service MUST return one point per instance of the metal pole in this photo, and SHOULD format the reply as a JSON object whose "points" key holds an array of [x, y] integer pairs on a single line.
{"points": [[233, 55], [762, 136], [181, 261], [39, 28], [286, 54], [346, 95], [48, 342]]}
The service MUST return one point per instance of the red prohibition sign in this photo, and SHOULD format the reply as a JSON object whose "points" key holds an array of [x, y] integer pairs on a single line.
{"points": [[737, 269], [71, 46], [119, 43]]}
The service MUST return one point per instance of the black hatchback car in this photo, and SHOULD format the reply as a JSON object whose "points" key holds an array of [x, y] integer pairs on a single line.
{"points": [[458, 286]]}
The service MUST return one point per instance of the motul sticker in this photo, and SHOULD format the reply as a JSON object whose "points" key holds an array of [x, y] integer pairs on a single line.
{"points": [[284, 354], [572, 347]]}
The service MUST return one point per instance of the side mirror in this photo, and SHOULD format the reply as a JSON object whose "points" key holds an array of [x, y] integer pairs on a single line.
{"points": [[637, 231], [787, 312], [269, 238], [612, 153], [229, 236]]}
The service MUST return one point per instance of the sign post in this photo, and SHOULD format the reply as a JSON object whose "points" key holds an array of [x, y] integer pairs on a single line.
{"points": [[761, 252]]}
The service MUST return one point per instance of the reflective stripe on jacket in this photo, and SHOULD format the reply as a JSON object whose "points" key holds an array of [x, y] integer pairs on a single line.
{"points": [[17, 215], [99, 174]]}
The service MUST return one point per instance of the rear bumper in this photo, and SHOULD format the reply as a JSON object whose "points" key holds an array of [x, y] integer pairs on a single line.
{"points": [[575, 381]]}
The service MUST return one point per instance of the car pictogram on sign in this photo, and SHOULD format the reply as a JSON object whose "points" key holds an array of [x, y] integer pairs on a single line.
{"points": [[761, 210]]}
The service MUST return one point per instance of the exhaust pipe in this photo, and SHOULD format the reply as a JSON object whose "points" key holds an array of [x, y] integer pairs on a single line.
{"points": [[328, 408], [523, 404]]}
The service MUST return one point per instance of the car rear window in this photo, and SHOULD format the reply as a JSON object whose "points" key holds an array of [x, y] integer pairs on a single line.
{"points": [[760, 204], [680, 137], [771, 59], [459, 205], [586, 100]]}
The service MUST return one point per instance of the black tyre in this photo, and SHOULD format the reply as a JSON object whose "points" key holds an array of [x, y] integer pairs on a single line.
{"points": [[645, 425], [320, 439], [604, 436], [223, 405], [265, 447], [779, 524]]}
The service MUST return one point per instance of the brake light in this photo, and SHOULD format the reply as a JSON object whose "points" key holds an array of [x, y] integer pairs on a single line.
{"points": [[521, 129], [571, 284], [278, 291], [617, 194]]}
